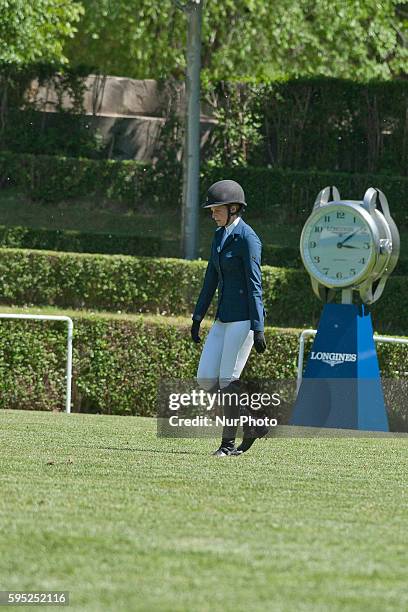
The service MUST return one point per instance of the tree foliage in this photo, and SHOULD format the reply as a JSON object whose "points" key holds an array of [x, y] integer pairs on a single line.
{"points": [[358, 39], [36, 31], [135, 38]]}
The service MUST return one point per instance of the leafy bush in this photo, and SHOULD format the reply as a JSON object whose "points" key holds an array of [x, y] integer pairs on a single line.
{"points": [[319, 123], [281, 257], [118, 363], [78, 242], [26, 127], [52, 179], [165, 286], [287, 195]]}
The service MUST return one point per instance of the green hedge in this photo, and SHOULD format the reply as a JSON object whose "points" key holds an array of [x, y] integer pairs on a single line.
{"points": [[288, 195], [25, 128], [285, 194], [165, 286], [281, 257], [78, 242], [48, 178], [328, 123], [311, 122], [136, 284], [118, 363], [318, 122]]}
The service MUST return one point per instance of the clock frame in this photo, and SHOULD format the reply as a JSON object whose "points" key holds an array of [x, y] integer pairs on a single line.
{"points": [[373, 216]]}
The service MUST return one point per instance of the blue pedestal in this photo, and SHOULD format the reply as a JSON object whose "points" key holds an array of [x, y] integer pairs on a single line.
{"points": [[341, 386]]}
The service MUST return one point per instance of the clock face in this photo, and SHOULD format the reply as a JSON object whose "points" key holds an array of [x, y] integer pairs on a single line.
{"points": [[337, 245]]}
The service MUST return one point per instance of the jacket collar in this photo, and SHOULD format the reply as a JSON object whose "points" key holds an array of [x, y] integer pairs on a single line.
{"points": [[237, 230]]}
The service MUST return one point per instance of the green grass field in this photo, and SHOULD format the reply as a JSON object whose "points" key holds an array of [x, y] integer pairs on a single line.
{"points": [[101, 507]]}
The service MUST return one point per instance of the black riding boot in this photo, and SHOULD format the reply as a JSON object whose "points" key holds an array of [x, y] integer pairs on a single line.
{"points": [[230, 403], [252, 432]]}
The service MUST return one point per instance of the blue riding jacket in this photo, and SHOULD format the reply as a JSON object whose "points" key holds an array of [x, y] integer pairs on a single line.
{"points": [[236, 270]]}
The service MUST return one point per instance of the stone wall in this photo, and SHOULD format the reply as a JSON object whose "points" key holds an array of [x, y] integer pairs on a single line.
{"points": [[127, 113]]}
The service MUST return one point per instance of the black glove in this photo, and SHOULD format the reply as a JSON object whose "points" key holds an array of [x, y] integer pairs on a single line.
{"points": [[195, 329], [259, 342]]}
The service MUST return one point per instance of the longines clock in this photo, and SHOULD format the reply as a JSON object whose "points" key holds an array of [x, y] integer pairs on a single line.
{"points": [[349, 244]]}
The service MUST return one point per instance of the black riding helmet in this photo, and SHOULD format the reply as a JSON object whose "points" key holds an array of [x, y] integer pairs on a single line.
{"points": [[225, 192]]}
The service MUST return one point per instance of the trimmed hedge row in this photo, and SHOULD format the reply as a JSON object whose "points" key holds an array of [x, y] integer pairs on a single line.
{"points": [[165, 286], [118, 363], [20, 237], [310, 122], [78, 242], [137, 284], [281, 257], [49, 178], [288, 195], [285, 194], [326, 123], [123, 244]]}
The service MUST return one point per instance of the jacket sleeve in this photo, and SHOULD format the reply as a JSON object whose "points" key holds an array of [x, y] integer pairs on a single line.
{"points": [[253, 274], [207, 292]]}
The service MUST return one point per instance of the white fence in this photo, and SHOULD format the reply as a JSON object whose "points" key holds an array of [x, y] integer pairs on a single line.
{"points": [[68, 374]]}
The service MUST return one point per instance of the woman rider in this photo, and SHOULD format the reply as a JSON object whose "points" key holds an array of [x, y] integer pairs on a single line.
{"points": [[235, 268]]}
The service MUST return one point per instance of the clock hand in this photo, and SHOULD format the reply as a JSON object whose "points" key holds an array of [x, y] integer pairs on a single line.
{"points": [[340, 245], [349, 236]]}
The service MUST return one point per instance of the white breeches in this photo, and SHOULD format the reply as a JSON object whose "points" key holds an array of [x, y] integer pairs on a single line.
{"points": [[225, 353]]}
